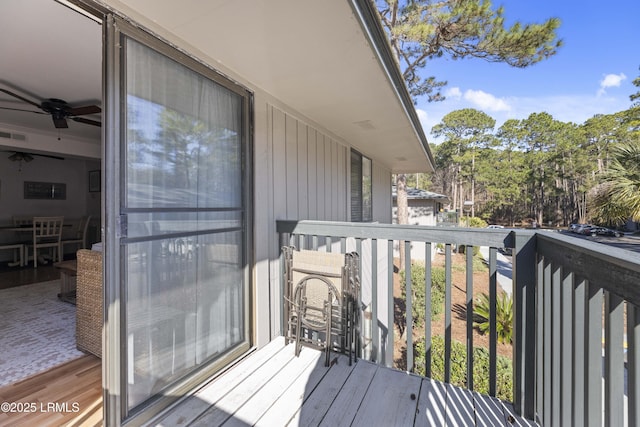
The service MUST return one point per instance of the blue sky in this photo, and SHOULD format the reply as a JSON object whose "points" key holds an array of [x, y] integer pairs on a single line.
{"points": [[591, 74]]}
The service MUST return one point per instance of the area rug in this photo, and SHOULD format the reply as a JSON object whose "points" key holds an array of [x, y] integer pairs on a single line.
{"points": [[37, 330]]}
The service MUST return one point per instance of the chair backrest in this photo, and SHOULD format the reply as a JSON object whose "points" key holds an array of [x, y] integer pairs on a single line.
{"points": [[22, 220], [47, 229], [325, 264], [83, 226]]}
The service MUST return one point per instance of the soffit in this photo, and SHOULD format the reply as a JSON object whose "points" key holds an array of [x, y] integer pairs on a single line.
{"points": [[311, 55]]}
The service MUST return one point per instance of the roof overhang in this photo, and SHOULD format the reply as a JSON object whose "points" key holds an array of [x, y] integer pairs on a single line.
{"points": [[327, 60]]}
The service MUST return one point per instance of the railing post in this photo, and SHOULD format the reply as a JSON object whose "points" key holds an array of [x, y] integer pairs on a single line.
{"points": [[524, 304]]}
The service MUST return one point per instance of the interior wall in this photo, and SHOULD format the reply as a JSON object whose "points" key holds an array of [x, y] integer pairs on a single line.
{"points": [[72, 172]]}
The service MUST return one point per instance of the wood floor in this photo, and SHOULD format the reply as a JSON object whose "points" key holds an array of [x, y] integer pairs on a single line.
{"points": [[18, 276], [70, 394]]}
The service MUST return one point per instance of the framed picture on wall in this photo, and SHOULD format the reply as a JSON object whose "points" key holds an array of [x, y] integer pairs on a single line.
{"points": [[45, 190], [94, 181]]}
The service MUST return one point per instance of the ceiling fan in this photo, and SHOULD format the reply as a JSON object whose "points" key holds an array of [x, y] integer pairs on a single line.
{"points": [[21, 156], [59, 110]]}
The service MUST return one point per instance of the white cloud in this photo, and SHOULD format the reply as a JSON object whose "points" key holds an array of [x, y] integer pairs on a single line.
{"points": [[424, 119], [453, 93], [610, 80], [422, 115], [486, 101]]}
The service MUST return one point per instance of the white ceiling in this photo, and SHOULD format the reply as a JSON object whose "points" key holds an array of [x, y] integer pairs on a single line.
{"points": [[49, 51], [311, 55]]}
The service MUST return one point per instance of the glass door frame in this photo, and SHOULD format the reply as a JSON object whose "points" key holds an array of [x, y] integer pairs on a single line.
{"points": [[114, 225]]}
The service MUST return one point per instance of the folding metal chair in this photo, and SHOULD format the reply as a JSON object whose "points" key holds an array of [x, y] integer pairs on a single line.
{"points": [[322, 291]]}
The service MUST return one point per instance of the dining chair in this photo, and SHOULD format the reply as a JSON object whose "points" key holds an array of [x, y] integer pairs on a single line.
{"points": [[19, 245], [80, 238], [22, 220], [47, 233]]}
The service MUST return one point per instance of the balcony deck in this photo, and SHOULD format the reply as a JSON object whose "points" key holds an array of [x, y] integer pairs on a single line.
{"points": [[272, 387]]}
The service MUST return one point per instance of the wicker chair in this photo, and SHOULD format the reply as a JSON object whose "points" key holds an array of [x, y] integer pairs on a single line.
{"points": [[322, 291], [89, 302]]}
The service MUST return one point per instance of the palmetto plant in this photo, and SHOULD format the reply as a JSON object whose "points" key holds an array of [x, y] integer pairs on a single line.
{"points": [[504, 316], [618, 197]]}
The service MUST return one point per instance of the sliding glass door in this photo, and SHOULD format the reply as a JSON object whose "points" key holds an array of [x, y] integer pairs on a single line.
{"points": [[181, 225]]}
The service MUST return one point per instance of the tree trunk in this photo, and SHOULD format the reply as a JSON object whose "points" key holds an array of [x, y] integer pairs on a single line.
{"points": [[473, 184], [403, 210]]}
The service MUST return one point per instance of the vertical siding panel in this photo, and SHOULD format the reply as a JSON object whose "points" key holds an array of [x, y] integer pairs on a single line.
{"points": [[276, 123], [320, 176], [266, 238], [291, 142], [335, 176], [381, 193], [303, 170], [312, 164], [279, 164], [344, 183], [328, 176]]}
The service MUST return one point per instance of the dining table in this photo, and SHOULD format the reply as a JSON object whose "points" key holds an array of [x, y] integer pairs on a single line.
{"points": [[24, 228]]}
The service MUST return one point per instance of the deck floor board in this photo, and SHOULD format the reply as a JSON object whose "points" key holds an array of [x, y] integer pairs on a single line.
{"points": [[345, 406], [489, 411], [318, 400], [389, 385], [431, 404], [284, 409], [231, 404], [273, 387]]}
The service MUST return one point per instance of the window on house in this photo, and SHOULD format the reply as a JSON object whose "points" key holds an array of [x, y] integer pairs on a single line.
{"points": [[361, 196]]}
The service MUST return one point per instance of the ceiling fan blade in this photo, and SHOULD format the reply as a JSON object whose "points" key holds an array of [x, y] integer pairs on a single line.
{"points": [[21, 98], [27, 157], [59, 123], [86, 121], [20, 109], [81, 111], [19, 156], [47, 155]]}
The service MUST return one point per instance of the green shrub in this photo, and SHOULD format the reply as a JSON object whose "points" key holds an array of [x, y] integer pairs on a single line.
{"points": [[418, 291], [504, 316], [458, 374], [473, 221]]}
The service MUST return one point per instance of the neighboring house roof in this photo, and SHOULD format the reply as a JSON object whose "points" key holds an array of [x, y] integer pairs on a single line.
{"points": [[328, 60], [415, 193]]}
